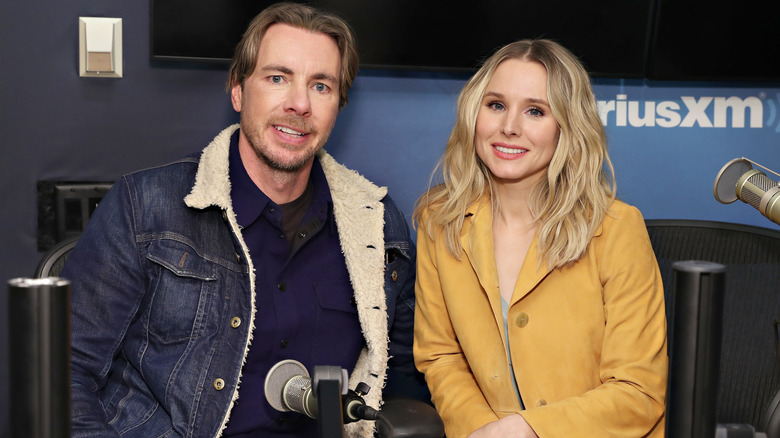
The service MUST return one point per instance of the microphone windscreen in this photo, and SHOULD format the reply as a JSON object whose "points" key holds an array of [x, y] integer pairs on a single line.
{"points": [[277, 378], [726, 182]]}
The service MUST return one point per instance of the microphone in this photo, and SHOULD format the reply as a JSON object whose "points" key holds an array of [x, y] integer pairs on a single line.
{"points": [[288, 387], [739, 180]]}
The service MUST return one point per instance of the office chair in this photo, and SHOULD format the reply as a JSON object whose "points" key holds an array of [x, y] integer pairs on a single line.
{"points": [[749, 366], [54, 260]]}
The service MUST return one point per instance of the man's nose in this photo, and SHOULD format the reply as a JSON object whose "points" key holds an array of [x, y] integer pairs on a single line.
{"points": [[298, 101]]}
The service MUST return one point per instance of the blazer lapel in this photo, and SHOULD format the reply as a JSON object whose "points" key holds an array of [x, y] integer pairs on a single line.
{"points": [[477, 242], [531, 273]]}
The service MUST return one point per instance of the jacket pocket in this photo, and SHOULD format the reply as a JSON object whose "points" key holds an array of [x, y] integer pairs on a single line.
{"points": [[337, 296], [183, 291], [396, 249]]}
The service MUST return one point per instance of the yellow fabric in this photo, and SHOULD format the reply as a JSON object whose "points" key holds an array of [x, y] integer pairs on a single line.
{"points": [[588, 342]]}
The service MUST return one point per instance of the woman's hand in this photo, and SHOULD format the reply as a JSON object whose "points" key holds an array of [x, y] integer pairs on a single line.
{"points": [[512, 426]]}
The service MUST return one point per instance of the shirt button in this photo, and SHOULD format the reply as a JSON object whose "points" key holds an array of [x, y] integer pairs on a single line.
{"points": [[224, 216], [302, 234], [541, 402], [271, 210], [522, 319], [284, 343], [282, 287], [219, 384], [394, 275], [235, 322]]}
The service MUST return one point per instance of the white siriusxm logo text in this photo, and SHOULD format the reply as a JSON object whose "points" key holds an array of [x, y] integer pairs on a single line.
{"points": [[704, 112]]}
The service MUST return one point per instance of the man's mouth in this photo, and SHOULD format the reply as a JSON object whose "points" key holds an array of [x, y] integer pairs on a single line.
{"points": [[289, 131]]}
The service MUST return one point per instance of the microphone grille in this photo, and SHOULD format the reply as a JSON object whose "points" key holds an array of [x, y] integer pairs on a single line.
{"points": [[293, 393], [756, 186]]}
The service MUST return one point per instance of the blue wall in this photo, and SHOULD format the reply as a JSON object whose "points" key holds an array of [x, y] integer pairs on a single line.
{"points": [[667, 140], [58, 126]]}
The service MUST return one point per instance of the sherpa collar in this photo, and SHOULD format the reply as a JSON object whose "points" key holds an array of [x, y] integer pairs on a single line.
{"points": [[359, 214]]}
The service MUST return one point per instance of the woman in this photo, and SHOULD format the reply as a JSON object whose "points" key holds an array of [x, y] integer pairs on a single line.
{"points": [[540, 308]]}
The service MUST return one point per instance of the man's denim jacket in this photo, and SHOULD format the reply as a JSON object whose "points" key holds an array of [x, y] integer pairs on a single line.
{"points": [[163, 294]]}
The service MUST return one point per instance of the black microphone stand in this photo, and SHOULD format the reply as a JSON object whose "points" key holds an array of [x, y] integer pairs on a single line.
{"points": [[39, 344]]}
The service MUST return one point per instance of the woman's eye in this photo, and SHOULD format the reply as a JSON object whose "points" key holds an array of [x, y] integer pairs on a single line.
{"points": [[498, 106], [536, 112]]}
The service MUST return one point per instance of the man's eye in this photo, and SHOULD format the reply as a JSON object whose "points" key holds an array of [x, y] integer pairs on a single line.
{"points": [[321, 88], [276, 79]]}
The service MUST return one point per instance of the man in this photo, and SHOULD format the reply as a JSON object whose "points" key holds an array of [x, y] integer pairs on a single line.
{"points": [[194, 278]]}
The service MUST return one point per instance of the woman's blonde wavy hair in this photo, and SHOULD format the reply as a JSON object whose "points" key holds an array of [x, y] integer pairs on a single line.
{"points": [[569, 205]]}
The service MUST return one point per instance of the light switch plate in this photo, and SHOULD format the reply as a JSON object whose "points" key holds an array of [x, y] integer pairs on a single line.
{"points": [[100, 47]]}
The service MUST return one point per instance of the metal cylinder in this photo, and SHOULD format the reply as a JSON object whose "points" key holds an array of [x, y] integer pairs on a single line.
{"points": [[694, 348], [39, 352]]}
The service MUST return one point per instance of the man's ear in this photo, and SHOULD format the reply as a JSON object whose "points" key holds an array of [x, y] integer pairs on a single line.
{"points": [[235, 97]]}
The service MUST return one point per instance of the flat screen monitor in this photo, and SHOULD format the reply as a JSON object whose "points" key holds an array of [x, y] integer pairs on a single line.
{"points": [[610, 36], [716, 40]]}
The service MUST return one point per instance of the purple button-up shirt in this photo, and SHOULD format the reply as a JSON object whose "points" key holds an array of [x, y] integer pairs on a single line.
{"points": [[304, 299]]}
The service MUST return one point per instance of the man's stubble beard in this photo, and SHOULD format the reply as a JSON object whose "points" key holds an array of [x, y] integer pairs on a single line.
{"points": [[255, 140]]}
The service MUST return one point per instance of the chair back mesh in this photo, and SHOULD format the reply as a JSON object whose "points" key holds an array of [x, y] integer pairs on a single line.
{"points": [[749, 369]]}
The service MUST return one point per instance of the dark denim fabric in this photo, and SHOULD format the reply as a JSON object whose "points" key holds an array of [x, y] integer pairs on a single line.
{"points": [[161, 309]]}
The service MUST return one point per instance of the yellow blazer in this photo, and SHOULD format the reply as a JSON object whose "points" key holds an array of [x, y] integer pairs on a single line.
{"points": [[588, 342]]}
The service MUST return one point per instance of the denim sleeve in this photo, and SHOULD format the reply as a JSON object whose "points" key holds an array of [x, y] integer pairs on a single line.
{"points": [[403, 379], [106, 289]]}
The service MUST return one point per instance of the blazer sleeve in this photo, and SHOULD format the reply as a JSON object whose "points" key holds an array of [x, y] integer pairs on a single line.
{"points": [[454, 390], [630, 401]]}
